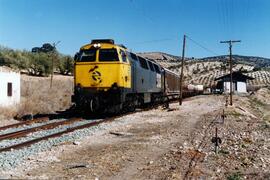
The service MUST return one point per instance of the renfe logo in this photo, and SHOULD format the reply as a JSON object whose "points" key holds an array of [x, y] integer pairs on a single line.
{"points": [[95, 75]]}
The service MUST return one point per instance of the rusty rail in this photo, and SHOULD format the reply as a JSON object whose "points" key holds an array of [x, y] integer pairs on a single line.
{"points": [[21, 133], [30, 142], [25, 123]]}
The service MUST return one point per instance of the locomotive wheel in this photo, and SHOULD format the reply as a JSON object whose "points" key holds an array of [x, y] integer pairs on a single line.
{"points": [[115, 109], [131, 107], [130, 104], [94, 105]]}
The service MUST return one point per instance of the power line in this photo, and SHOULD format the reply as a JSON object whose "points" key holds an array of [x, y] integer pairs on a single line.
{"points": [[230, 42], [171, 39], [222, 21], [203, 47]]}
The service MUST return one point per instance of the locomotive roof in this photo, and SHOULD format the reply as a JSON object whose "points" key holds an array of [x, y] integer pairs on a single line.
{"points": [[103, 44], [109, 43]]}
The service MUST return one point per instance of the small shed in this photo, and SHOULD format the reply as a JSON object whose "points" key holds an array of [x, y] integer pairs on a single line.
{"points": [[10, 89], [239, 82]]}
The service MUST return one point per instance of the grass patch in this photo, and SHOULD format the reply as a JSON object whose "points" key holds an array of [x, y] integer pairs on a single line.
{"points": [[257, 102], [39, 97], [234, 113], [266, 113], [234, 176], [223, 151], [260, 108], [265, 126]]}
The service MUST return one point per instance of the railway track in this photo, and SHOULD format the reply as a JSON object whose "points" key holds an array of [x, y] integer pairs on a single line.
{"points": [[30, 142], [36, 120], [25, 132], [21, 133]]}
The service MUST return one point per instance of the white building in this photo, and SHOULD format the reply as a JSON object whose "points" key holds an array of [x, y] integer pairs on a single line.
{"points": [[239, 82], [10, 89]]}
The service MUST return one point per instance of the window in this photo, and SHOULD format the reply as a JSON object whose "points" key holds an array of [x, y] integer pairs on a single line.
{"points": [[9, 89], [87, 55], [143, 62], [151, 66], [133, 56], [108, 55], [157, 68], [124, 56]]}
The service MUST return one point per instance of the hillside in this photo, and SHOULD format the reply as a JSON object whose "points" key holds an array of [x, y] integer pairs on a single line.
{"points": [[205, 70], [197, 71], [249, 60], [239, 59]]}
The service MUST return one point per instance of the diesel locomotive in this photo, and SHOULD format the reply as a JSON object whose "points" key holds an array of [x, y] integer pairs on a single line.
{"points": [[109, 78]]}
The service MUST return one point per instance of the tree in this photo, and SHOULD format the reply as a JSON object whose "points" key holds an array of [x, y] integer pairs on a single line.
{"points": [[39, 65], [65, 65]]}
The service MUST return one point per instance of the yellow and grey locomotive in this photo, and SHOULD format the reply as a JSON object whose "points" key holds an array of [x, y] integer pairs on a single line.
{"points": [[109, 78]]}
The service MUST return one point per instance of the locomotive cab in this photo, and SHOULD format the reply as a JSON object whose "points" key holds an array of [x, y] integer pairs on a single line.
{"points": [[102, 72], [101, 66]]}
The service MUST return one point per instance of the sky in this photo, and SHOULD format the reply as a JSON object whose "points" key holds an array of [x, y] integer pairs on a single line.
{"points": [[141, 25]]}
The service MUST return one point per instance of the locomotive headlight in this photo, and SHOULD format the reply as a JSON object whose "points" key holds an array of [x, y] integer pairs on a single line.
{"points": [[97, 45]]}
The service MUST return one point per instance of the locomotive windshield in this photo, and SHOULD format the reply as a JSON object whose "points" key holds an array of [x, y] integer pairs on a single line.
{"points": [[108, 55], [87, 55]]}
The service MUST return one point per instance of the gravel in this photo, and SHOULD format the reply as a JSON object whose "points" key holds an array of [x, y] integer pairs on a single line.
{"points": [[38, 134], [11, 159]]}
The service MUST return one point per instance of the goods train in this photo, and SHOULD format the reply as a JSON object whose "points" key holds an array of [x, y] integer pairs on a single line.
{"points": [[109, 78]]}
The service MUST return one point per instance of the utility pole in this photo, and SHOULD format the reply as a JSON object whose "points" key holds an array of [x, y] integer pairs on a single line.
{"points": [[230, 42], [53, 56], [182, 71]]}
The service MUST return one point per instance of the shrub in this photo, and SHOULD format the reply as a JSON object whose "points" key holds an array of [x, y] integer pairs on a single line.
{"points": [[37, 63], [234, 176], [65, 65]]}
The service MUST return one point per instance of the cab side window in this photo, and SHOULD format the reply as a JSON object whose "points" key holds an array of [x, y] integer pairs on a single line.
{"points": [[157, 68], [123, 55], [143, 62], [132, 56], [151, 66]]}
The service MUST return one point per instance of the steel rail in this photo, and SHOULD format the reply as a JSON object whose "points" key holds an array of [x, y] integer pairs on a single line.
{"points": [[21, 133], [30, 142], [25, 123]]}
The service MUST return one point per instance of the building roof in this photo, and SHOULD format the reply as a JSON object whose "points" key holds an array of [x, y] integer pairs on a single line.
{"points": [[235, 75]]}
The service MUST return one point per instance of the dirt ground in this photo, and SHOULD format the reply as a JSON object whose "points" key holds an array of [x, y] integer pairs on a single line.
{"points": [[165, 144]]}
